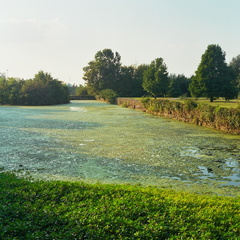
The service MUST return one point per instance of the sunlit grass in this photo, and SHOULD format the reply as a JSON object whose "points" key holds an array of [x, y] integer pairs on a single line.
{"points": [[218, 102], [73, 210]]}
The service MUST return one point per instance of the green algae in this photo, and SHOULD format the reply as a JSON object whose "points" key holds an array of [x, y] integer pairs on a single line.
{"points": [[97, 142]]}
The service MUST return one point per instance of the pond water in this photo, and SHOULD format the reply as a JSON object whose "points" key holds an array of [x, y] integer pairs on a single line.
{"points": [[97, 142]]}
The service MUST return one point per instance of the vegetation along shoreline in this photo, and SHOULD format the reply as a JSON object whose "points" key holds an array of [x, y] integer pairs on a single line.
{"points": [[190, 111]]}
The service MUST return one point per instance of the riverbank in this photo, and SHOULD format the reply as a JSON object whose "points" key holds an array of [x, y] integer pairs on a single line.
{"points": [[190, 111]]}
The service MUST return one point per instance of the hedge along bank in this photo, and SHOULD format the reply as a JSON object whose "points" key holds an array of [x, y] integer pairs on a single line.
{"points": [[191, 111]]}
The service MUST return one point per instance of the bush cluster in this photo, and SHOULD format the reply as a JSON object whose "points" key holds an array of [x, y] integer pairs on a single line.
{"points": [[108, 95], [42, 90], [65, 210]]}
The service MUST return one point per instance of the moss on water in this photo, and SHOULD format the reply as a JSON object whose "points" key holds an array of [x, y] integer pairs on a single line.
{"points": [[94, 141]]}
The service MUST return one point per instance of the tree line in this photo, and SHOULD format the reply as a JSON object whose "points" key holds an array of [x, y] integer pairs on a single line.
{"points": [[106, 77], [213, 78], [43, 89]]}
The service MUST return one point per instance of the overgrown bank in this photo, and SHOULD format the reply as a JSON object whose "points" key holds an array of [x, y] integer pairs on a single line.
{"points": [[191, 111], [66, 210]]}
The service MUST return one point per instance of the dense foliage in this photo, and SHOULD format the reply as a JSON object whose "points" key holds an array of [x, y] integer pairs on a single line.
{"points": [[213, 77], [235, 66], [131, 81], [108, 95], [155, 78], [107, 72], [178, 86], [41, 90], [103, 72], [65, 210]]}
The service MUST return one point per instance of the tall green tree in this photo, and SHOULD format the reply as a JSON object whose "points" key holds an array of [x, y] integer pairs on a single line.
{"points": [[195, 87], [138, 80], [3, 90], [155, 78], [126, 83], [131, 80], [213, 76], [178, 85], [235, 66], [230, 90], [103, 72]]}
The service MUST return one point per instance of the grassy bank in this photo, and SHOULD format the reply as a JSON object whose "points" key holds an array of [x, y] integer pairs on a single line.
{"points": [[198, 112], [64, 210]]}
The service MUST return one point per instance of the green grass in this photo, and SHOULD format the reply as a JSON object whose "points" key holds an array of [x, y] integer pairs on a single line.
{"points": [[67, 210], [219, 102]]}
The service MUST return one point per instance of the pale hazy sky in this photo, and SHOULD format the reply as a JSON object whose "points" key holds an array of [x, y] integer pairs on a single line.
{"points": [[61, 36]]}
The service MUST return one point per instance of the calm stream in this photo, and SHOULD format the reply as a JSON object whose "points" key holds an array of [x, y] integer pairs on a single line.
{"points": [[97, 142]]}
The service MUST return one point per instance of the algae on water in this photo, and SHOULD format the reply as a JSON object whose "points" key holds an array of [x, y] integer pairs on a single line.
{"points": [[94, 141]]}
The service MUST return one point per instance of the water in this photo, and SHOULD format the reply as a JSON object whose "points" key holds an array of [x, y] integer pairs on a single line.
{"points": [[97, 142]]}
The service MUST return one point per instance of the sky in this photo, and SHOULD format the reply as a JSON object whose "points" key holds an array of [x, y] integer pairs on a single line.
{"points": [[61, 37]]}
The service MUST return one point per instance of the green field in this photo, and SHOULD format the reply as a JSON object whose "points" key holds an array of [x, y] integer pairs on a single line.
{"points": [[219, 102], [71, 210]]}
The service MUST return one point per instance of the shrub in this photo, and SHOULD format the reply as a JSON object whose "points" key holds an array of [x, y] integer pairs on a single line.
{"points": [[125, 105], [108, 95], [190, 104], [145, 101]]}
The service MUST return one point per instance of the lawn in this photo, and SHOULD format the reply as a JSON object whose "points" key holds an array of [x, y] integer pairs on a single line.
{"points": [[219, 102]]}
